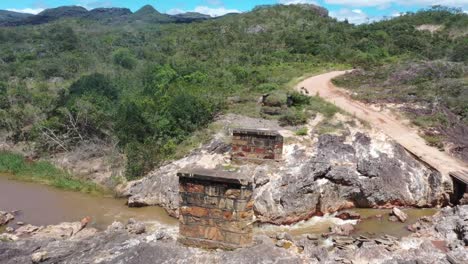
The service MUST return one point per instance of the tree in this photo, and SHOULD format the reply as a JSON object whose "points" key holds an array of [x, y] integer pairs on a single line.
{"points": [[124, 58]]}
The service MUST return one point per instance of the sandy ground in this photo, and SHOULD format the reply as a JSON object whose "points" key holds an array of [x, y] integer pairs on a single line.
{"points": [[406, 136]]}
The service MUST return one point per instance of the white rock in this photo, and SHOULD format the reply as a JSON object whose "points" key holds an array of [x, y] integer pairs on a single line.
{"points": [[39, 257]]}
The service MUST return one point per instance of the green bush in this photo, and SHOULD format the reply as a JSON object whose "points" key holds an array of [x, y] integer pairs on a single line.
{"points": [[299, 99], [267, 87], [293, 118], [124, 58], [302, 131], [275, 100]]}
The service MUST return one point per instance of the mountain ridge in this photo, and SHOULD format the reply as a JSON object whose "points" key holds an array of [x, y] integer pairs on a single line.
{"points": [[146, 13]]}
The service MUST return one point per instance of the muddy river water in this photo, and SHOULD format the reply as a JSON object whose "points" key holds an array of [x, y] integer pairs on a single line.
{"points": [[43, 205]]}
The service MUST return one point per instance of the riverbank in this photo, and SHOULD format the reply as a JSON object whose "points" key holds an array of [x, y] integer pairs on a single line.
{"points": [[42, 205], [442, 238], [20, 168]]}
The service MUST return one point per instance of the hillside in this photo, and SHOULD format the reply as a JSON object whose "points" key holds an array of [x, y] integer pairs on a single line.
{"points": [[114, 16], [146, 87]]}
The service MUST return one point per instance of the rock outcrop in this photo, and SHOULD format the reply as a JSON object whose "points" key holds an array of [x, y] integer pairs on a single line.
{"points": [[5, 218], [345, 172], [118, 245], [161, 186], [332, 173]]}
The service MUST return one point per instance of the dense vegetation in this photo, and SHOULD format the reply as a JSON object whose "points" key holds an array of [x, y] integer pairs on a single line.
{"points": [[148, 86]]}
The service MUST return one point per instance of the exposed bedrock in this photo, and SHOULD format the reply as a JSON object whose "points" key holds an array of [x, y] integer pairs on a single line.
{"points": [[440, 239], [333, 173]]}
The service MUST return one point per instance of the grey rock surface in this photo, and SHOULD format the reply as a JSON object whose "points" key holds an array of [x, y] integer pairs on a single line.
{"points": [[334, 173], [116, 245]]}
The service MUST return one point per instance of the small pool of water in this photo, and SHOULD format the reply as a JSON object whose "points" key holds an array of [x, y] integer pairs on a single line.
{"points": [[369, 225], [44, 205]]}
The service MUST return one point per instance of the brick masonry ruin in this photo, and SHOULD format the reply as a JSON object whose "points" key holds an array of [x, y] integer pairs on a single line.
{"points": [[256, 144], [216, 209]]}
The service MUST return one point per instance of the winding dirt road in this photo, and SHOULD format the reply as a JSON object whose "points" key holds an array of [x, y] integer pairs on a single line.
{"points": [[404, 135]]}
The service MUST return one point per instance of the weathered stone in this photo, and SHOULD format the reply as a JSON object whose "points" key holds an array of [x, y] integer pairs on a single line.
{"points": [[348, 215], [284, 236], [26, 230], [136, 228], [342, 230], [60, 231], [221, 221], [193, 188], [312, 237], [256, 144], [5, 218], [334, 174], [118, 246], [399, 214], [194, 211], [39, 257]]}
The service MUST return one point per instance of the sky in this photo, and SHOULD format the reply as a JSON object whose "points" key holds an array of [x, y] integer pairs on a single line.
{"points": [[356, 11]]}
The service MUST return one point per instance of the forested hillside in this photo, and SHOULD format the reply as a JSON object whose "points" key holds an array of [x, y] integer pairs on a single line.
{"points": [[146, 86]]}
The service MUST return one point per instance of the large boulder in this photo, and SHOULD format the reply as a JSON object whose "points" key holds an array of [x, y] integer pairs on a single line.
{"points": [[344, 172], [334, 173], [161, 187]]}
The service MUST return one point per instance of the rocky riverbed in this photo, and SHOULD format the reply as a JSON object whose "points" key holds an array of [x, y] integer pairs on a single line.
{"points": [[318, 175], [442, 238]]}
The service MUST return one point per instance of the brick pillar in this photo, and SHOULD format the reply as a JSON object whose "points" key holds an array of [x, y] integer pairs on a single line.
{"points": [[216, 209], [256, 144]]}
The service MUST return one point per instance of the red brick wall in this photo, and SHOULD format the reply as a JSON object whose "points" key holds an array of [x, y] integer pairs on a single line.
{"points": [[252, 144], [214, 214]]}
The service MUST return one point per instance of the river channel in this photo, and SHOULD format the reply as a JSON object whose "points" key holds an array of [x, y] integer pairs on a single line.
{"points": [[44, 205]]}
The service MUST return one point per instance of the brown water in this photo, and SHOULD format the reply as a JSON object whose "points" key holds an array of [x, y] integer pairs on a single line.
{"points": [[44, 205], [369, 225]]}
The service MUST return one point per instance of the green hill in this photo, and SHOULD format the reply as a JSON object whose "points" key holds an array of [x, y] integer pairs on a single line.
{"points": [[146, 83]]}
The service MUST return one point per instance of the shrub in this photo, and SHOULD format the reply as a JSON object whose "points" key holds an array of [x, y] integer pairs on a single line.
{"points": [[124, 58], [299, 99], [268, 110], [302, 131], [293, 118], [43, 172], [275, 100], [95, 83], [267, 87]]}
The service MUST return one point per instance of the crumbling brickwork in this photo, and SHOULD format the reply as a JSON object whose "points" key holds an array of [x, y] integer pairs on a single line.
{"points": [[256, 144], [216, 209]]}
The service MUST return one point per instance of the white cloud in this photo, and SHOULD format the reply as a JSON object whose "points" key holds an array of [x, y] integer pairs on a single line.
{"points": [[214, 12], [91, 4], [453, 3], [295, 2], [175, 11], [27, 10], [355, 16]]}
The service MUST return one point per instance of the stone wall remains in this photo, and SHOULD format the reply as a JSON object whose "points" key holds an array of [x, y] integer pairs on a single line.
{"points": [[216, 209], [256, 144]]}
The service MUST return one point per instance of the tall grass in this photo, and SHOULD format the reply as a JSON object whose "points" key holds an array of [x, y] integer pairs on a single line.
{"points": [[43, 172]]}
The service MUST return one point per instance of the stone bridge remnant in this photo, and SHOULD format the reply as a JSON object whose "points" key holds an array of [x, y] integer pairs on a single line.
{"points": [[256, 144], [216, 209], [460, 187]]}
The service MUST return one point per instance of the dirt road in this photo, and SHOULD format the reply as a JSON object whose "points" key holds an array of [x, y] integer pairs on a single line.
{"points": [[404, 135]]}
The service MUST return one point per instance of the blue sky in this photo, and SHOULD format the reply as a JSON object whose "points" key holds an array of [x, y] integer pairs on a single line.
{"points": [[356, 11]]}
